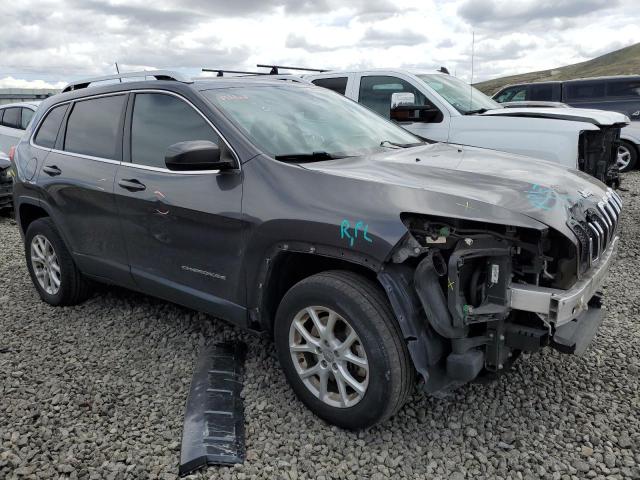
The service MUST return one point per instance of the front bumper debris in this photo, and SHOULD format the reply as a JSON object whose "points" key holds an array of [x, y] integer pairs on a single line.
{"points": [[575, 336], [562, 306], [214, 416]]}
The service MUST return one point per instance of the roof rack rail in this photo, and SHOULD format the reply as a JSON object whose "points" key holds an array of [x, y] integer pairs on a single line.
{"points": [[222, 71], [275, 68], [158, 74]]}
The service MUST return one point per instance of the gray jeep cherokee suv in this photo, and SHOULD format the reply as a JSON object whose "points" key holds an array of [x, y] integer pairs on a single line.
{"points": [[372, 258]]}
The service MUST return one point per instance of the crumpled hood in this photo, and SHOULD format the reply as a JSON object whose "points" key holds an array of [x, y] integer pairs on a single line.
{"points": [[596, 117], [477, 180]]}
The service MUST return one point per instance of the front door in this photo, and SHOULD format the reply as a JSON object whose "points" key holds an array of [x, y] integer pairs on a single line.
{"points": [[375, 92], [182, 229]]}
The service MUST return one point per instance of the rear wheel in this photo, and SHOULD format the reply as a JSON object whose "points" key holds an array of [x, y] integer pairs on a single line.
{"points": [[341, 349], [627, 156], [52, 269]]}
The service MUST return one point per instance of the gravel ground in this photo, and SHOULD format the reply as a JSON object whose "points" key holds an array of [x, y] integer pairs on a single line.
{"points": [[98, 391]]}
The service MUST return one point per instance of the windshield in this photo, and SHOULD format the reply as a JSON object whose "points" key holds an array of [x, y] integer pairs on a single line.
{"points": [[461, 95], [290, 121]]}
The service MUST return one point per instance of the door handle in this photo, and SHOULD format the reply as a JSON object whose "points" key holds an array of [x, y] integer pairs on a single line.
{"points": [[132, 185], [51, 170]]}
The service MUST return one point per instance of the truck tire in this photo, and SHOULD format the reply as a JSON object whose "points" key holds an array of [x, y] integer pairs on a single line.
{"points": [[51, 267], [627, 156], [342, 350]]}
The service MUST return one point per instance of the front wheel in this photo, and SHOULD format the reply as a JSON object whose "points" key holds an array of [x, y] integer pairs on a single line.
{"points": [[627, 156], [341, 349]]}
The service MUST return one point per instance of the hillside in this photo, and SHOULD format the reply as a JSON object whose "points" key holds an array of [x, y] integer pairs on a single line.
{"points": [[625, 61]]}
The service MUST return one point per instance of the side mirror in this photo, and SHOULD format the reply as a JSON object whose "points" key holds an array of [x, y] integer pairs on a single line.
{"points": [[399, 99], [404, 109], [196, 155]]}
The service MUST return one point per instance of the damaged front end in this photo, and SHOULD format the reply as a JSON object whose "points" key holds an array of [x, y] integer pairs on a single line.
{"points": [[471, 296], [598, 153]]}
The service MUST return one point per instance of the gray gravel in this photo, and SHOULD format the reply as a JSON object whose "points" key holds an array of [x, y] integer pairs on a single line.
{"points": [[98, 391]]}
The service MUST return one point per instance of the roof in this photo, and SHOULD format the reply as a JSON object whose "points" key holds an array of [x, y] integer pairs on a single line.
{"points": [[607, 77], [413, 71], [207, 83], [34, 104]]}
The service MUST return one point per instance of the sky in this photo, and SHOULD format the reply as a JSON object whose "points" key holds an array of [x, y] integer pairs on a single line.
{"points": [[45, 44]]}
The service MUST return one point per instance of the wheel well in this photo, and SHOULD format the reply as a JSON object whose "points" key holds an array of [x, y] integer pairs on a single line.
{"points": [[631, 145], [29, 213], [291, 267]]}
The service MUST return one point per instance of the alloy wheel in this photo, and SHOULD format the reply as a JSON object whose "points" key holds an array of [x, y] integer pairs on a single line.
{"points": [[624, 157], [45, 264], [328, 356]]}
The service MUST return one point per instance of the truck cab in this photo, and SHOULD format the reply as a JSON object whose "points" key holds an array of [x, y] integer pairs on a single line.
{"points": [[442, 108]]}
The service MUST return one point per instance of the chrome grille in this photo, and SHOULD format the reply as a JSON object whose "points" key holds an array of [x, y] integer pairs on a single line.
{"points": [[603, 225]]}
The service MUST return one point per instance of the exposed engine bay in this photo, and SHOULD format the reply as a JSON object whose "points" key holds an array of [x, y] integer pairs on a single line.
{"points": [[490, 292]]}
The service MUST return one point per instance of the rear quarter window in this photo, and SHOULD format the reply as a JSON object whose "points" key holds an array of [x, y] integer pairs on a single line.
{"points": [[337, 84], [27, 115], [48, 131]]}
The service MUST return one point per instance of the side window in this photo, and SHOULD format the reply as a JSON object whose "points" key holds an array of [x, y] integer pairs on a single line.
{"points": [[337, 84], [375, 93], [541, 92], [1, 115], [584, 91], [92, 128], [48, 131], [27, 114], [513, 94], [11, 118], [624, 88], [159, 121]]}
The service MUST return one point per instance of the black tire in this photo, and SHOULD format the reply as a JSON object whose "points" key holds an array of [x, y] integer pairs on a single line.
{"points": [[633, 156], [365, 307], [74, 288]]}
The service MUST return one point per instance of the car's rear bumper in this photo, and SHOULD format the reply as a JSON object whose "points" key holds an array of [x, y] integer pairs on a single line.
{"points": [[562, 306]]}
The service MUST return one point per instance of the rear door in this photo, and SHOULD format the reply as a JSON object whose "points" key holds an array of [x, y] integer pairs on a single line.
{"points": [[77, 179], [182, 229], [10, 127]]}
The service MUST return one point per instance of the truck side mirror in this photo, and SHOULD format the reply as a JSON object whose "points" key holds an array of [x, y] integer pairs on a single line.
{"points": [[402, 99], [404, 109]]}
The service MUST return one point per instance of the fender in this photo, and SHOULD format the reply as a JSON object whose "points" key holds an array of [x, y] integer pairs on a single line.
{"points": [[257, 299]]}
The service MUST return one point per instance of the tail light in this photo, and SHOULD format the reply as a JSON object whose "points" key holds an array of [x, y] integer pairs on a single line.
{"points": [[12, 153]]}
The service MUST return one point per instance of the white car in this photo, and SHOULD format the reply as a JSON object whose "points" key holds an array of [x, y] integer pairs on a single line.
{"points": [[14, 119], [443, 108]]}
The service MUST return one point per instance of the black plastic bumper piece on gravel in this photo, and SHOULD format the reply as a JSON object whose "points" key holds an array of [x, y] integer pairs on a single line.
{"points": [[214, 418], [574, 337]]}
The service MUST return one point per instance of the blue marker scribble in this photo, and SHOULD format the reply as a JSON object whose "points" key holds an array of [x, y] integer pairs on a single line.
{"points": [[544, 198], [351, 233]]}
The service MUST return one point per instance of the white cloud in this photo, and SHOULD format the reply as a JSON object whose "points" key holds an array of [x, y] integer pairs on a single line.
{"points": [[10, 82], [63, 40]]}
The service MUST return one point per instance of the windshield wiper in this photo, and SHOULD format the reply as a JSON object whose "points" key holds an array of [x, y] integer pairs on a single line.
{"points": [[386, 143], [306, 157], [475, 112]]}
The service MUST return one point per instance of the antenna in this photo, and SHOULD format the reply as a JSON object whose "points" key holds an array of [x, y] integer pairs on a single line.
{"points": [[473, 48], [118, 71]]}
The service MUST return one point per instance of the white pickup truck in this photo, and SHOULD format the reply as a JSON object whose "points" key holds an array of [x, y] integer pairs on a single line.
{"points": [[443, 108]]}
